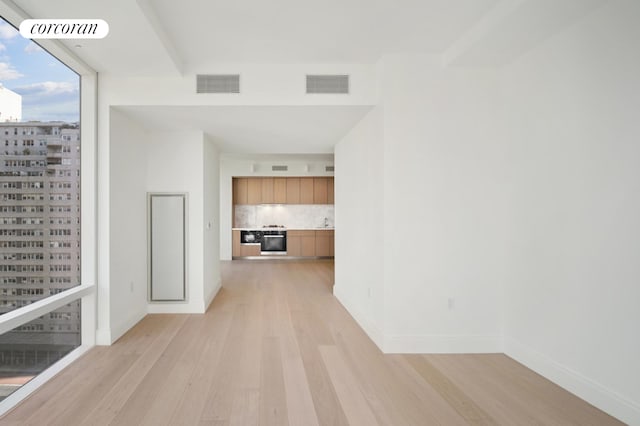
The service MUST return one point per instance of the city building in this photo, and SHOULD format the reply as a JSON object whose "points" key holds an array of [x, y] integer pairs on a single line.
{"points": [[39, 240]]}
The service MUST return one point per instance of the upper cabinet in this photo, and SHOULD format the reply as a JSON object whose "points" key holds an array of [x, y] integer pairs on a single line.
{"points": [[267, 191], [283, 190], [320, 194], [240, 191], [293, 190], [280, 190], [330, 193], [254, 191], [306, 190]]}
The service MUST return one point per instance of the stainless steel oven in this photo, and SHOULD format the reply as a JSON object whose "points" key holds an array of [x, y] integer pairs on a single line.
{"points": [[274, 243]]}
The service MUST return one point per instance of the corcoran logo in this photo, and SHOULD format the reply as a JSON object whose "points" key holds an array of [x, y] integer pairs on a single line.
{"points": [[64, 28]]}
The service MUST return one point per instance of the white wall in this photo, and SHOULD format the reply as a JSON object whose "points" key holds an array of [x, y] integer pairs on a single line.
{"points": [[420, 202], [444, 208], [127, 292], [572, 300], [260, 165], [359, 245], [211, 254], [175, 164]]}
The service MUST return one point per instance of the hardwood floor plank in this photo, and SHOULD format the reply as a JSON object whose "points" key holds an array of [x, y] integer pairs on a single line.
{"points": [[325, 400], [46, 394], [559, 405], [395, 395], [455, 396], [218, 405], [167, 399], [192, 401], [83, 396], [273, 403], [276, 347], [352, 401], [119, 395], [301, 410], [246, 408]]}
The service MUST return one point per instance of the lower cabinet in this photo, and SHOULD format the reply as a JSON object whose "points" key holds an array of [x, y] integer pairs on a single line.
{"points": [[249, 250], [300, 243], [294, 247], [235, 246], [242, 250], [310, 243], [323, 243]]}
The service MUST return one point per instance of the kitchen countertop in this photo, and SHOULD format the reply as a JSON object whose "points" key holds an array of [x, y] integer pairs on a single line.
{"points": [[282, 229]]}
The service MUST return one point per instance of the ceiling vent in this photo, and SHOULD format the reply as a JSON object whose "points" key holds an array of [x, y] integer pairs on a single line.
{"points": [[279, 168], [218, 83], [337, 84], [329, 169]]}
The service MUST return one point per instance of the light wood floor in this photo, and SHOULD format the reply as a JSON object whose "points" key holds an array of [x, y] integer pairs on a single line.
{"points": [[276, 348]]}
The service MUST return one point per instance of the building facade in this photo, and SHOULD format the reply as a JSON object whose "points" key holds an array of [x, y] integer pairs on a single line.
{"points": [[39, 239]]}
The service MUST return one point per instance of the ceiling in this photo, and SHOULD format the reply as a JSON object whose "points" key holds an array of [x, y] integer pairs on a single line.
{"points": [[150, 35], [180, 38], [256, 129]]}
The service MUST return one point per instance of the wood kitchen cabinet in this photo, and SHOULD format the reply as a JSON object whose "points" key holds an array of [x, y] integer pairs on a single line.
{"points": [[320, 194], [294, 243], [301, 243], [240, 191], [306, 190], [280, 190], [235, 244], [283, 190], [324, 243], [330, 191], [249, 250], [308, 244], [267, 190], [254, 191], [293, 190]]}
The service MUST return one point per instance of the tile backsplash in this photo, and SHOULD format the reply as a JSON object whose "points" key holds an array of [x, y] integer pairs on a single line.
{"points": [[293, 216]]}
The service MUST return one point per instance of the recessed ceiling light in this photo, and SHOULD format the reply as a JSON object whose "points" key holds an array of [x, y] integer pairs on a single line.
{"points": [[78, 46]]}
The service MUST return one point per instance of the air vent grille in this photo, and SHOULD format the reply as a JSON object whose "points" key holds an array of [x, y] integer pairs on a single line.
{"points": [[218, 83], [329, 169], [338, 84], [279, 168]]}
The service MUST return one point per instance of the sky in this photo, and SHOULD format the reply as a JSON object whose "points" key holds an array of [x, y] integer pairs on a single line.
{"points": [[50, 90]]}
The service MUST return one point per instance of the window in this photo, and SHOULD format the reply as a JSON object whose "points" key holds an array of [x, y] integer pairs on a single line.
{"points": [[40, 172]]}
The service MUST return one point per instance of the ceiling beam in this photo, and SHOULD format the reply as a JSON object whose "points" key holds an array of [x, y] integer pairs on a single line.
{"points": [[152, 17]]}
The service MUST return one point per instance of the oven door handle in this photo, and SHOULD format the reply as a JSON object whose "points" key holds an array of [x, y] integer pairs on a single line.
{"points": [[273, 236]]}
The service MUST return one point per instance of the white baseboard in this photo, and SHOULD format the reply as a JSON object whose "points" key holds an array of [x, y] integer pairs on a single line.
{"points": [[122, 327], [419, 343], [374, 333], [442, 344], [103, 337], [212, 295], [594, 393]]}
